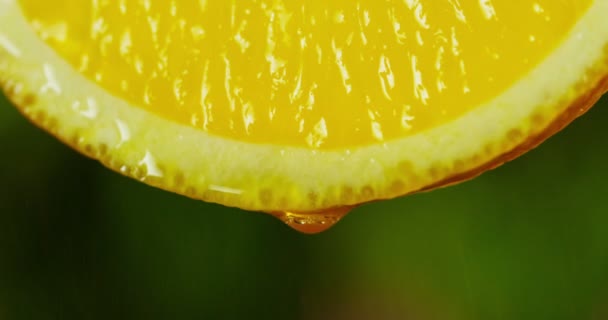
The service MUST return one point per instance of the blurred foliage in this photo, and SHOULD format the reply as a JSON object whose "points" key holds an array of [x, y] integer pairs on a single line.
{"points": [[528, 240]]}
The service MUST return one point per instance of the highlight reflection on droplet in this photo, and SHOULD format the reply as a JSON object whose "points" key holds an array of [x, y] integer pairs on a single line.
{"points": [[313, 222]]}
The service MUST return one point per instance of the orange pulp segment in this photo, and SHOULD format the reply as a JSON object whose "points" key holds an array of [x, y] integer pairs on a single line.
{"points": [[316, 74]]}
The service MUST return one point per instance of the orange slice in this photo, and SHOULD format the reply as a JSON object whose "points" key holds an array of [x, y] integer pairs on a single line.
{"points": [[303, 109]]}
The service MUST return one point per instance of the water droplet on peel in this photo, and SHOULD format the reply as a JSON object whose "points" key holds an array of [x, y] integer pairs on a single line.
{"points": [[312, 222]]}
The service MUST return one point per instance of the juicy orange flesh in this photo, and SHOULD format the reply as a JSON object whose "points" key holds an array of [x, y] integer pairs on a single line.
{"points": [[318, 74]]}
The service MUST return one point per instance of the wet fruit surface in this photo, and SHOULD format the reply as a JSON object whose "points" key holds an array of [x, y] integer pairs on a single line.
{"points": [[315, 74], [303, 110]]}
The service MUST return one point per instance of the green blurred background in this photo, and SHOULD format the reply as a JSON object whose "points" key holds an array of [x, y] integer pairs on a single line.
{"points": [[526, 241]]}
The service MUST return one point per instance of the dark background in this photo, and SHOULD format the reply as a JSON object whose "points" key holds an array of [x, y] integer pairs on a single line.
{"points": [[526, 241]]}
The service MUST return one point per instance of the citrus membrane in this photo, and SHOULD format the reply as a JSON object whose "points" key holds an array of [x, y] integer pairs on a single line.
{"points": [[303, 109], [309, 74]]}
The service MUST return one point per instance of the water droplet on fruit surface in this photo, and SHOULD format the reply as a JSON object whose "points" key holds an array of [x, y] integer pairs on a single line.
{"points": [[312, 222]]}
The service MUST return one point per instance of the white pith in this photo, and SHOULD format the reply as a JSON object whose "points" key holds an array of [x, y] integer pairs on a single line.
{"points": [[272, 178]]}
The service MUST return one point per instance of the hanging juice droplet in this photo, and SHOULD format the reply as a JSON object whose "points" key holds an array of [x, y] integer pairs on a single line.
{"points": [[312, 222]]}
